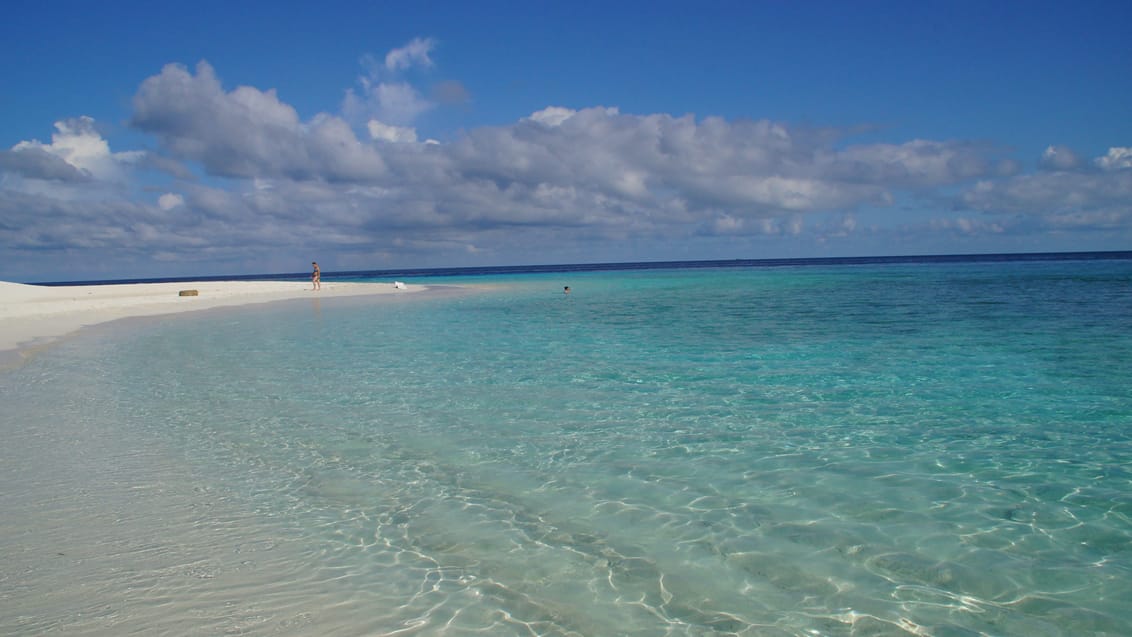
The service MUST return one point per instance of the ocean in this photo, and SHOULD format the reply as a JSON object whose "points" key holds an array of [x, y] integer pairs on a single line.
{"points": [[871, 447]]}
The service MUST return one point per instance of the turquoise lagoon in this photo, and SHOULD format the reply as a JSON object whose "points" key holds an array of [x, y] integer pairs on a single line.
{"points": [[935, 448]]}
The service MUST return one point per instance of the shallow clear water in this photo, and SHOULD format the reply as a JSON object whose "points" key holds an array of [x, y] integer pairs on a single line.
{"points": [[930, 449]]}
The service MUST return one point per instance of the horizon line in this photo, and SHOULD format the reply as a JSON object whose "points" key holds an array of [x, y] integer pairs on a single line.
{"points": [[629, 265]]}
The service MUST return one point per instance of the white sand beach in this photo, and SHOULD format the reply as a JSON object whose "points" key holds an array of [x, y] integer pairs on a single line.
{"points": [[34, 315]]}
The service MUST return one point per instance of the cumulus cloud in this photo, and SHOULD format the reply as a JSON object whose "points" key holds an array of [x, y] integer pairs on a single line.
{"points": [[77, 151], [383, 94], [415, 53], [743, 167], [596, 173], [385, 132], [554, 115], [556, 167], [398, 102], [1118, 158], [370, 189], [169, 201], [967, 226], [37, 163], [918, 163], [1062, 200], [1060, 158], [246, 132], [35, 222]]}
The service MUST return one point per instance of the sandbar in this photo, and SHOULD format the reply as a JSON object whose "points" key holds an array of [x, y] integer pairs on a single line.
{"points": [[32, 316]]}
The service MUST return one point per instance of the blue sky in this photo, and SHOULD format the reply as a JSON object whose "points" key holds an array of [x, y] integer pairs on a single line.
{"points": [[207, 138]]}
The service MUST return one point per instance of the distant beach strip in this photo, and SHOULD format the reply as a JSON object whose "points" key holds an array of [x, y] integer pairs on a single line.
{"points": [[36, 315]]}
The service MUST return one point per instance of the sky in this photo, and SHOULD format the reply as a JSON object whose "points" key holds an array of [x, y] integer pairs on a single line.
{"points": [[147, 140]]}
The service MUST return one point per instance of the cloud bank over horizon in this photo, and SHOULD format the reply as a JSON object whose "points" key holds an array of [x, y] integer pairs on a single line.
{"points": [[234, 180]]}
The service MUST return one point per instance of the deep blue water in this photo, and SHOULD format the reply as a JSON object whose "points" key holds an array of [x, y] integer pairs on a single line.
{"points": [[413, 273], [877, 447]]}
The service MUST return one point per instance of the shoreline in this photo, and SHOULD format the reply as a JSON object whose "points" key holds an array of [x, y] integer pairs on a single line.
{"points": [[36, 316]]}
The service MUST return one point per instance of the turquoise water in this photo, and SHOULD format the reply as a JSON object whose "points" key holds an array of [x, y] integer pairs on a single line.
{"points": [[912, 449]]}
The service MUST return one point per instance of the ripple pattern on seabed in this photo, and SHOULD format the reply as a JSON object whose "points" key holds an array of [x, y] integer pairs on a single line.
{"points": [[894, 452]]}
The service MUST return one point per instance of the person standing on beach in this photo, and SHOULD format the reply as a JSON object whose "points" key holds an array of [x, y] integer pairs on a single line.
{"points": [[316, 276]]}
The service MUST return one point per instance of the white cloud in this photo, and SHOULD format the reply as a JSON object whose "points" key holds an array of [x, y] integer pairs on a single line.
{"points": [[415, 53], [383, 95], [1118, 158], [77, 143], [726, 224], [918, 163], [399, 103], [36, 163], [754, 168], [246, 133], [1060, 158], [967, 226], [594, 175], [1055, 202], [598, 168], [385, 132], [552, 115], [169, 201]]}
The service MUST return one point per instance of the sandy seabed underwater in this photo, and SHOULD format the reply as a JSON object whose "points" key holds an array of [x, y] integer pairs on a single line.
{"points": [[906, 449]]}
